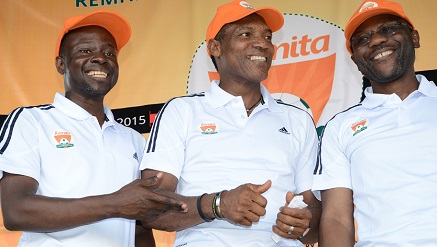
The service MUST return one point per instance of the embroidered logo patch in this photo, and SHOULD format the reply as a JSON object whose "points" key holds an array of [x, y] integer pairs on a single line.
{"points": [[368, 5], [63, 139], [359, 126], [208, 128], [246, 5]]}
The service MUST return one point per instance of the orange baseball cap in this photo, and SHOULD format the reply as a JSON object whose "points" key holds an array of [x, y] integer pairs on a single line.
{"points": [[237, 10], [116, 25], [370, 9]]}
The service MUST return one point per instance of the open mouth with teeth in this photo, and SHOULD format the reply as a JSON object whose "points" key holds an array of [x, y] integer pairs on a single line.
{"points": [[97, 74], [380, 55], [257, 58]]}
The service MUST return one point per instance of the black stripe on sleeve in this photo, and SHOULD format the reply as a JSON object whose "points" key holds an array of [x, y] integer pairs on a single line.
{"points": [[155, 128], [8, 126]]}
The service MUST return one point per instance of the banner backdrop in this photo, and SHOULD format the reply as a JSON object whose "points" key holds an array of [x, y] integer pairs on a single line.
{"points": [[166, 57]]}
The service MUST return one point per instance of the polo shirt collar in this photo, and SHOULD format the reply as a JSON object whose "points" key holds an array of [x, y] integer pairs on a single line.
{"points": [[373, 100], [74, 111], [217, 97]]}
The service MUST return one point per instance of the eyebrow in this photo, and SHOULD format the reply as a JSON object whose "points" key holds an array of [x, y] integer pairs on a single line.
{"points": [[91, 42], [252, 28]]}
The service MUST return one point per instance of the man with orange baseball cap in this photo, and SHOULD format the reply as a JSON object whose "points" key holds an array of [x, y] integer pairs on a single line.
{"points": [[234, 153], [70, 173], [377, 162]]}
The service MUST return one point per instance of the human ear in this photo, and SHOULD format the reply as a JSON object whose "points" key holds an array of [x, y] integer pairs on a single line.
{"points": [[214, 47], [416, 38], [353, 59], [60, 65]]}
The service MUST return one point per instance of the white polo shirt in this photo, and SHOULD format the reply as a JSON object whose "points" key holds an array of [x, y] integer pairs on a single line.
{"points": [[209, 143], [64, 148], [385, 150]]}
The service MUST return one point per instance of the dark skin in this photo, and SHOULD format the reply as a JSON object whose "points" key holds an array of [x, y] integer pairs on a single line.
{"points": [[88, 62], [243, 56], [392, 73], [388, 62]]}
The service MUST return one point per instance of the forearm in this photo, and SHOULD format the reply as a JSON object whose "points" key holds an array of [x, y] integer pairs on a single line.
{"points": [[23, 210], [337, 221], [334, 233], [44, 214], [176, 222], [313, 234]]}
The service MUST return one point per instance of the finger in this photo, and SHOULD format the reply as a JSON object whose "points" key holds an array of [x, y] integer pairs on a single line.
{"points": [[245, 222], [285, 234], [258, 208], [255, 214], [288, 197], [152, 182], [166, 204], [285, 221], [262, 188]]}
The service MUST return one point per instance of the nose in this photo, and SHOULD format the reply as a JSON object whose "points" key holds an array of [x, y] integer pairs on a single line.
{"points": [[99, 57], [261, 43], [377, 39]]}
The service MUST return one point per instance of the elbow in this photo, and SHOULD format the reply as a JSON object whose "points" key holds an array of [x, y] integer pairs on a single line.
{"points": [[13, 220], [10, 224]]}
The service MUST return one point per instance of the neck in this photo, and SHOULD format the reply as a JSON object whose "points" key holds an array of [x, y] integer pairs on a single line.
{"points": [[402, 88], [254, 105], [92, 106]]}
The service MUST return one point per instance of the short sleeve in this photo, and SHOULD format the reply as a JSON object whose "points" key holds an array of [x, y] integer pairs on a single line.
{"points": [[19, 147], [165, 148], [333, 165]]}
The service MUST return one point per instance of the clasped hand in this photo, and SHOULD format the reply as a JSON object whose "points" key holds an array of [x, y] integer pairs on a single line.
{"points": [[287, 217], [140, 200]]}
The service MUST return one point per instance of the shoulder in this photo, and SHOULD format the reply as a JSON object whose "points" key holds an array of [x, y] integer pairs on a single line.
{"points": [[295, 112], [28, 112], [182, 103], [344, 119], [186, 99]]}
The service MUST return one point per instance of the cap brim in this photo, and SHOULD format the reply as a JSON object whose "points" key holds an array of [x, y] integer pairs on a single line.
{"points": [[273, 18]]}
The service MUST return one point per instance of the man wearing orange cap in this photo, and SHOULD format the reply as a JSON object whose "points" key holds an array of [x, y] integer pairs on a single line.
{"points": [[70, 172], [234, 153], [380, 155]]}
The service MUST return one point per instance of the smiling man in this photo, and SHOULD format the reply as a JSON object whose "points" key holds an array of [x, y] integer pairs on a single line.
{"points": [[233, 152], [380, 156], [70, 172]]}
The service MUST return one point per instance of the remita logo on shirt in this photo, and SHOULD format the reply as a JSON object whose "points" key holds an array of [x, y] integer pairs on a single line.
{"points": [[63, 139], [208, 128]]}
